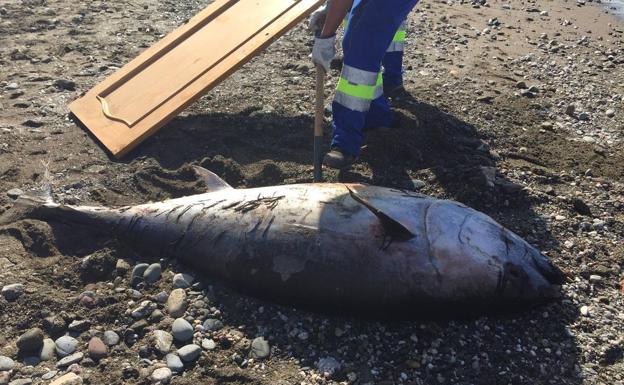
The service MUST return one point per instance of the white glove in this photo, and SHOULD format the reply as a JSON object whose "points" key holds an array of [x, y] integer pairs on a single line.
{"points": [[317, 19], [324, 51]]}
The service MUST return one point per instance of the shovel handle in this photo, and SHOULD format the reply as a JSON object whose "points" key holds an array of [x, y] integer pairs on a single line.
{"points": [[318, 122]]}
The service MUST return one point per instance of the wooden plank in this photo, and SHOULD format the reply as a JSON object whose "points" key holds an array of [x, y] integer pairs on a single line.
{"points": [[145, 94]]}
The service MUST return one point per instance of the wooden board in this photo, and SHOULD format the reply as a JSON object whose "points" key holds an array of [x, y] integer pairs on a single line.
{"points": [[145, 94]]}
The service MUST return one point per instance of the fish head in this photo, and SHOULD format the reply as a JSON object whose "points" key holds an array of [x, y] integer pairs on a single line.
{"points": [[484, 259]]}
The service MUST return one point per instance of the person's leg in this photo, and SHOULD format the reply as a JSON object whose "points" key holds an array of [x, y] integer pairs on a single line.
{"points": [[370, 31], [393, 61]]}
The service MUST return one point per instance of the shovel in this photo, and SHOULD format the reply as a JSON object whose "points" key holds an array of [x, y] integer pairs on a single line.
{"points": [[318, 123]]}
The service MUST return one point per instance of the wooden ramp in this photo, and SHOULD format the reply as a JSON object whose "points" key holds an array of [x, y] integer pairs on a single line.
{"points": [[145, 94]]}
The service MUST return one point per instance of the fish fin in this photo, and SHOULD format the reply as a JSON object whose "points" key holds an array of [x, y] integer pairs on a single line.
{"points": [[393, 229], [212, 180]]}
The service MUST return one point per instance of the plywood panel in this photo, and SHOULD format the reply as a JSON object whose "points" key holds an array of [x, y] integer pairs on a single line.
{"points": [[145, 94]]}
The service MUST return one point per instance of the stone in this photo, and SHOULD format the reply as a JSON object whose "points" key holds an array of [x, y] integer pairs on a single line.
{"points": [[583, 116], [79, 325], [54, 325], [122, 267], [156, 316], [14, 193], [31, 341], [49, 375], [152, 273], [63, 84], [137, 273], [68, 379], [21, 381], [189, 352], [48, 351], [260, 348], [110, 338], [328, 366], [6, 363], [162, 375], [181, 330], [174, 363], [212, 325], [585, 311], [208, 344], [182, 281], [13, 291], [71, 359], [610, 113], [32, 361], [65, 345], [595, 278], [176, 303], [162, 341], [96, 348]]}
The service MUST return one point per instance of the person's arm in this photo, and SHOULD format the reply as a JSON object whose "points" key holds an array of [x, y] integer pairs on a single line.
{"points": [[336, 12]]}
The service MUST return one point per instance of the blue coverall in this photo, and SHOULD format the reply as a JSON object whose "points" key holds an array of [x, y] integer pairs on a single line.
{"points": [[368, 43]]}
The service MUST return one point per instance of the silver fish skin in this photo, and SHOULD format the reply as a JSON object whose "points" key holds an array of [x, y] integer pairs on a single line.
{"points": [[346, 246]]}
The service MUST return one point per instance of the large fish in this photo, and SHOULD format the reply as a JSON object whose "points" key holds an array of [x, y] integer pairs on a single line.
{"points": [[345, 246]]}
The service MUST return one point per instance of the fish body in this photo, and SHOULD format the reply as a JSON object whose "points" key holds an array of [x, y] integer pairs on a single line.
{"points": [[345, 246]]}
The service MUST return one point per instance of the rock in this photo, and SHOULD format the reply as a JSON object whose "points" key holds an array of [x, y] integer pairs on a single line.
{"points": [[208, 344], [547, 126], [594, 278], [328, 366], [71, 359], [585, 311], [6, 363], [156, 316], [13, 291], [610, 113], [182, 281], [570, 110], [161, 375], [66, 85], [97, 349], [110, 338], [144, 308], [31, 341], [161, 297], [212, 325], [79, 325], [583, 116], [521, 85], [152, 273], [176, 303], [49, 375], [48, 351], [139, 325], [97, 266], [121, 267], [189, 352], [581, 207], [181, 330], [162, 341], [174, 363], [54, 326], [260, 348], [32, 361], [137, 273], [68, 379], [14, 193], [65, 345], [21, 381]]}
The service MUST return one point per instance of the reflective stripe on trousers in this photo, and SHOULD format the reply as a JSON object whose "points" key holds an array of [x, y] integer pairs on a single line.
{"points": [[357, 88], [398, 42]]}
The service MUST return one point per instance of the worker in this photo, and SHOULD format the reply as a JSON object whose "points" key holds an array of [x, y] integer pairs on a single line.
{"points": [[375, 35]]}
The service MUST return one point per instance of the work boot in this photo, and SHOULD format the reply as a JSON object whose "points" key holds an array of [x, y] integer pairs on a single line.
{"points": [[338, 159]]}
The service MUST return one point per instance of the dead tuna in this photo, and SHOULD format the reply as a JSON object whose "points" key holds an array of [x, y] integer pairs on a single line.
{"points": [[340, 245]]}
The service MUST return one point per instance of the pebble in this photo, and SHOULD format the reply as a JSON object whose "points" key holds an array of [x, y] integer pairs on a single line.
{"points": [[14, 193], [65, 345], [13, 291], [54, 325], [161, 375], [6, 363], [208, 344], [176, 303], [121, 267], [189, 352], [174, 363], [110, 338], [181, 330], [31, 341], [595, 278], [610, 113], [48, 351], [328, 366], [71, 359], [182, 281], [162, 341], [161, 297], [79, 325], [97, 349], [21, 381], [68, 379], [152, 273], [583, 116], [49, 375], [137, 273], [585, 311], [212, 325], [260, 348], [32, 361]]}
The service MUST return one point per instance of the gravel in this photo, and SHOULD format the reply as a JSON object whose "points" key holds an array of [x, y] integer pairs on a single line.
{"points": [[181, 330]]}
